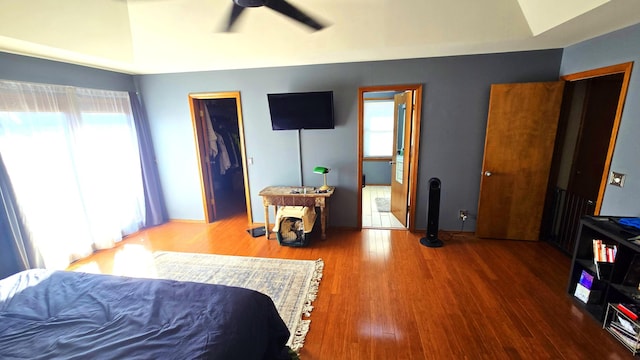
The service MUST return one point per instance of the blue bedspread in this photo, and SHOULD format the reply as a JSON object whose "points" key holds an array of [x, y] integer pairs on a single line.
{"points": [[69, 315]]}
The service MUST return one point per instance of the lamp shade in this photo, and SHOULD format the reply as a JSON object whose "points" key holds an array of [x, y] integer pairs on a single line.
{"points": [[320, 170]]}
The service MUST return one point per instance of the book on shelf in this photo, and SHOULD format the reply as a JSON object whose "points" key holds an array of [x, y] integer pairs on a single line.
{"points": [[585, 295], [586, 279], [603, 252], [604, 255]]}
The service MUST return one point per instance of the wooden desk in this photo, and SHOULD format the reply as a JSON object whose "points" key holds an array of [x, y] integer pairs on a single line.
{"points": [[295, 196]]}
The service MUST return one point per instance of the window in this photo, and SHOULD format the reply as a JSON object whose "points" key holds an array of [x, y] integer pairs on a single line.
{"points": [[378, 128], [73, 160]]}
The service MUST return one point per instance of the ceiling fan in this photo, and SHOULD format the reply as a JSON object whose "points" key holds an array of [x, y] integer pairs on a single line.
{"points": [[281, 6]]}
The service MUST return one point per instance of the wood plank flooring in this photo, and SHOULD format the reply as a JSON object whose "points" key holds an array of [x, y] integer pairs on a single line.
{"points": [[384, 296]]}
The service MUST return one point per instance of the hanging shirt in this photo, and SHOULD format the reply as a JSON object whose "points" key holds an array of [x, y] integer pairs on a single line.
{"points": [[232, 149], [223, 160], [213, 138]]}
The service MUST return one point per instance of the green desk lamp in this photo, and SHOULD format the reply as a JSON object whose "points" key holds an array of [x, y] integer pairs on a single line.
{"points": [[324, 171]]}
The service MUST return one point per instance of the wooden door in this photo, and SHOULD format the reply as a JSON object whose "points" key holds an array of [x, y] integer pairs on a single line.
{"points": [[207, 174], [403, 113], [521, 132]]}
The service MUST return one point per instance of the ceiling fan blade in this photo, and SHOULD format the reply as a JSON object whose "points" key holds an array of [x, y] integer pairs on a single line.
{"points": [[236, 10], [291, 11]]}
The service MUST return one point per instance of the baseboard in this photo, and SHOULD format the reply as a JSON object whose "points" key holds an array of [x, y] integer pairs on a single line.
{"points": [[190, 221]]}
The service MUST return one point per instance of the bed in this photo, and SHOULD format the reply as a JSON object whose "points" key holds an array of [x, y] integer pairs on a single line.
{"points": [[71, 315]]}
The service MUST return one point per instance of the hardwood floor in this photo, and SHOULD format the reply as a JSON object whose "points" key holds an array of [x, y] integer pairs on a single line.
{"points": [[384, 296]]}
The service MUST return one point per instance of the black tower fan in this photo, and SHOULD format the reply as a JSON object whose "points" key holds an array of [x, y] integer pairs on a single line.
{"points": [[433, 215]]}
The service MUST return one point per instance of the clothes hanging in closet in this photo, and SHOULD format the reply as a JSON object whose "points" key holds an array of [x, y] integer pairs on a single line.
{"points": [[233, 147], [223, 158], [224, 144]]}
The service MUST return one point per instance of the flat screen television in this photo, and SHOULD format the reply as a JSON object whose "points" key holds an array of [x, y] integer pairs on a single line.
{"points": [[303, 110]]}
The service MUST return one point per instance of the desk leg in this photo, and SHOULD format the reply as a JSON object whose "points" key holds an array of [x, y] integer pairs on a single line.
{"points": [[323, 221], [266, 221]]}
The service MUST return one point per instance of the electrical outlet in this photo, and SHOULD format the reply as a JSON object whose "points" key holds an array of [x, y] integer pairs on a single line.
{"points": [[463, 215]]}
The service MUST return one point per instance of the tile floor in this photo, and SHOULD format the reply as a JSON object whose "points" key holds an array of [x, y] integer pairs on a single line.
{"points": [[371, 218]]}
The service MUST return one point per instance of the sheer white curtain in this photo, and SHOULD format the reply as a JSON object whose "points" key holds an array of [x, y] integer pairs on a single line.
{"points": [[72, 157]]}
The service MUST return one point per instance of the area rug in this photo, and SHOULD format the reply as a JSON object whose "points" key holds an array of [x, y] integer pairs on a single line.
{"points": [[291, 284], [383, 205]]}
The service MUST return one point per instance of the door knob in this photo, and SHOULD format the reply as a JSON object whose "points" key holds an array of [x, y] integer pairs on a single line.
{"points": [[391, 162], [487, 173]]}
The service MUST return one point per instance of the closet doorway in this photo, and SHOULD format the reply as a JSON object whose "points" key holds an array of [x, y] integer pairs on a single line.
{"points": [[219, 131], [580, 173]]}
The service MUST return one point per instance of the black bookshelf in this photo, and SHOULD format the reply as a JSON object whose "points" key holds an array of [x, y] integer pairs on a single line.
{"points": [[611, 286]]}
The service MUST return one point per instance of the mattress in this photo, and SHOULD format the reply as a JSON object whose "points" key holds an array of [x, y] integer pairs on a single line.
{"points": [[71, 315]]}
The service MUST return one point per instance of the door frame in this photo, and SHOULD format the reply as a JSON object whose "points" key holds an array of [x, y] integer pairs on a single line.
{"points": [[607, 70], [202, 149], [413, 152]]}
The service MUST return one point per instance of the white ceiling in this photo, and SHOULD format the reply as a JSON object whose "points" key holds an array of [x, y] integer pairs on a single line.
{"points": [[163, 36]]}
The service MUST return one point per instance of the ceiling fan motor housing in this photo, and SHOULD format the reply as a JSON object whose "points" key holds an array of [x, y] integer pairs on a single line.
{"points": [[250, 3]]}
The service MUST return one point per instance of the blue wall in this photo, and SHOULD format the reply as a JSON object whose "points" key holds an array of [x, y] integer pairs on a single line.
{"points": [[28, 69], [455, 104], [615, 48], [377, 172]]}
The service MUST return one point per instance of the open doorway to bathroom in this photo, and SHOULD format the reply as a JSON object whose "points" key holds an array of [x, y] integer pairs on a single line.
{"points": [[388, 132]]}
